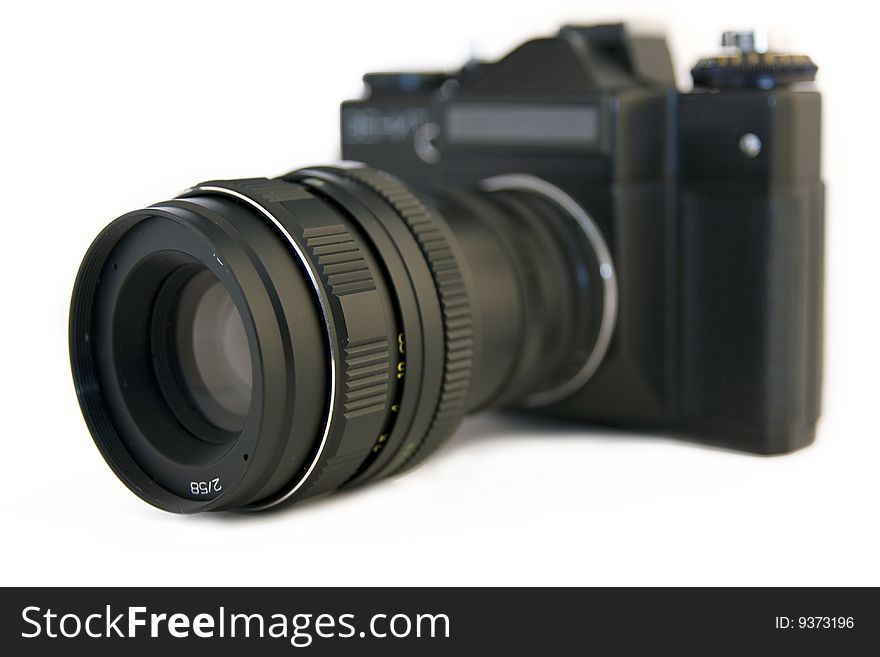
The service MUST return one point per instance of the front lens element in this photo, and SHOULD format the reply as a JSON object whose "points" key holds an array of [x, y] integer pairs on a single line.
{"points": [[212, 352]]}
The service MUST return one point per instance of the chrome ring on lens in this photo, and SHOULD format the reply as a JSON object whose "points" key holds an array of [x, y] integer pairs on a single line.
{"points": [[307, 267], [360, 326], [605, 270]]}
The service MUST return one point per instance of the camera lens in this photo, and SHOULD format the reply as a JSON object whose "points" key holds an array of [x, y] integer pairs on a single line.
{"points": [[257, 342]]}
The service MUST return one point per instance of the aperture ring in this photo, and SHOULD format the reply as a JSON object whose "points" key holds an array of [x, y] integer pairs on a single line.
{"points": [[436, 245], [360, 336]]}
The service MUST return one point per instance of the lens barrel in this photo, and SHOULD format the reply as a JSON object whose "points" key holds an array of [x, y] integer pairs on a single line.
{"points": [[257, 342]]}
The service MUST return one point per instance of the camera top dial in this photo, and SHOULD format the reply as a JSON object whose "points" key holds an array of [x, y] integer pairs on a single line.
{"points": [[751, 65]]}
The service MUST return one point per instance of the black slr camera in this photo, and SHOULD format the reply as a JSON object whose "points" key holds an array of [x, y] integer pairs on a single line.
{"points": [[561, 231]]}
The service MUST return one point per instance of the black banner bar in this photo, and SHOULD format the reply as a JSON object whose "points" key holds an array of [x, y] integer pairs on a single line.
{"points": [[437, 621]]}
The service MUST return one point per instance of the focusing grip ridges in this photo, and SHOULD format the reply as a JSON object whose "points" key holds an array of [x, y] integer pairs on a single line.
{"points": [[340, 261], [435, 242], [359, 322]]}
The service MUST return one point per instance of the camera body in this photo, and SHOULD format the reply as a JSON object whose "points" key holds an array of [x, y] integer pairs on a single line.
{"points": [[710, 202]]}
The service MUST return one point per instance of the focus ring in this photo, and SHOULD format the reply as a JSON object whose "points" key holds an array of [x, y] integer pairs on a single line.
{"points": [[455, 306], [359, 333]]}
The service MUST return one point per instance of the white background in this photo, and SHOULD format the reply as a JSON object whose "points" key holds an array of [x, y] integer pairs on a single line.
{"points": [[105, 108]]}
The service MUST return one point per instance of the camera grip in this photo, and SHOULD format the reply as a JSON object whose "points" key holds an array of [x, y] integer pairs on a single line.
{"points": [[751, 312]]}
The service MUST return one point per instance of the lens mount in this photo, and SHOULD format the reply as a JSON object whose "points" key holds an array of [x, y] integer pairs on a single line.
{"points": [[603, 299]]}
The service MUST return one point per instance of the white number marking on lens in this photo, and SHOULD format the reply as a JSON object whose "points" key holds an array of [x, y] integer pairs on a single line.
{"points": [[205, 487]]}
